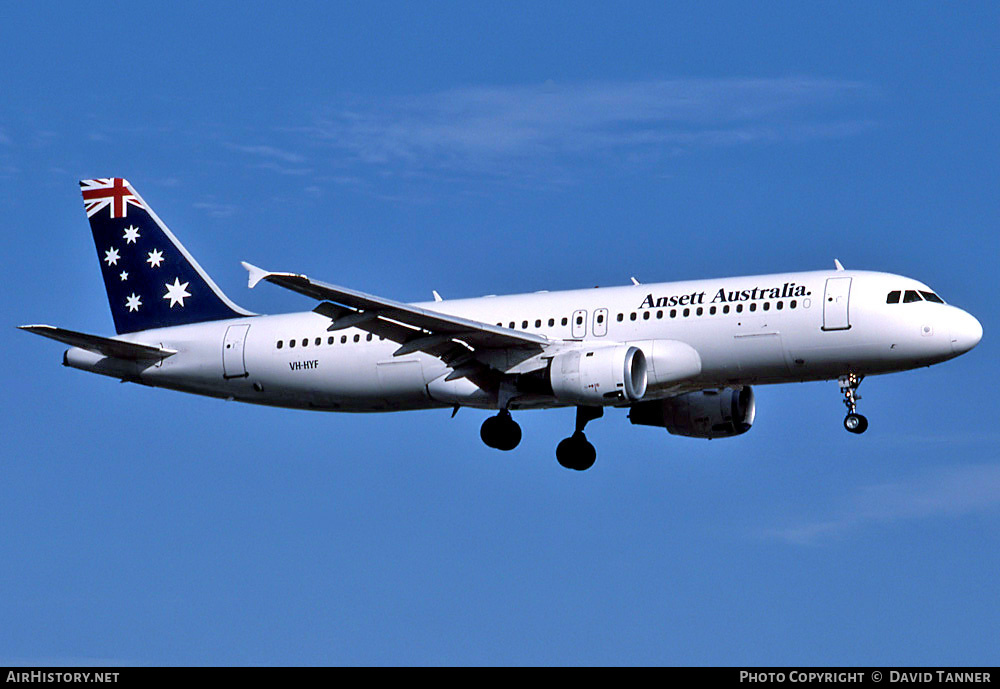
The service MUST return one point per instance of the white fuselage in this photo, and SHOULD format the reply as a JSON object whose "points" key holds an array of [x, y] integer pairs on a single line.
{"points": [[745, 330]]}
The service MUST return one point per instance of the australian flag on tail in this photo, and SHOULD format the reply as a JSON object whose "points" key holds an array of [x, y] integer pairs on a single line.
{"points": [[151, 279]]}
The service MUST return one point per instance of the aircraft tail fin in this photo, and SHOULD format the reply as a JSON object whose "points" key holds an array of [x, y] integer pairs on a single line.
{"points": [[151, 279]]}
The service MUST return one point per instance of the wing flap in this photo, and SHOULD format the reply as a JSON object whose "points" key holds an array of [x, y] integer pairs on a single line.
{"points": [[117, 349]]}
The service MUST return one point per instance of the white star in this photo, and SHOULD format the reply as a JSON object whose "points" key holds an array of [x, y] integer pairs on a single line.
{"points": [[155, 258], [131, 234], [133, 302], [123, 276], [111, 256], [176, 292]]}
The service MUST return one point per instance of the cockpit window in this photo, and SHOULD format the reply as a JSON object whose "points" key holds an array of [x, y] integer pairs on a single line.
{"points": [[893, 297], [930, 296], [911, 296]]}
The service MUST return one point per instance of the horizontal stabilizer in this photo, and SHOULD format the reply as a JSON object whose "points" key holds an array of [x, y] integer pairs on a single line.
{"points": [[100, 345]]}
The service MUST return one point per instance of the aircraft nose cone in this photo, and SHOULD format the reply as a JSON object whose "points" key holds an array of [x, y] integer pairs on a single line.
{"points": [[966, 332]]}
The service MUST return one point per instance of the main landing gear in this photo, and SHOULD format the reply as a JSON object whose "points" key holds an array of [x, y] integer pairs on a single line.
{"points": [[576, 452], [853, 422], [501, 432]]}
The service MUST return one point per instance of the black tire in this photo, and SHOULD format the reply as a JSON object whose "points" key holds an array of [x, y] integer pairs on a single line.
{"points": [[501, 433], [488, 431], [856, 423], [576, 452], [509, 435]]}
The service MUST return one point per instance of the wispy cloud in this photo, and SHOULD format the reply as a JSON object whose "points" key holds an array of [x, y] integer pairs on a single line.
{"points": [[950, 492], [217, 210], [506, 130], [268, 152]]}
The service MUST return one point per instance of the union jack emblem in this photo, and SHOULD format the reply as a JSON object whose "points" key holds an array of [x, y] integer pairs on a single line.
{"points": [[113, 192]]}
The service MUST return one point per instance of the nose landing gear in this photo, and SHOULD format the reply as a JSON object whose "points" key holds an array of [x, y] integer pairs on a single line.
{"points": [[853, 422], [576, 452], [501, 432]]}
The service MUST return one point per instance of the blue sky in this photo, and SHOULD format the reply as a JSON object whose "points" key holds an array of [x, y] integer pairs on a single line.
{"points": [[480, 148]]}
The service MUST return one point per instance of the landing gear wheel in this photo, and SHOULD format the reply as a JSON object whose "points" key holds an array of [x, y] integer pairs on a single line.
{"points": [[576, 452], [856, 423], [501, 432]]}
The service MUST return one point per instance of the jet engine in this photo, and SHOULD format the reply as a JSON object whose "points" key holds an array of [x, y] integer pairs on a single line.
{"points": [[596, 376], [702, 414]]}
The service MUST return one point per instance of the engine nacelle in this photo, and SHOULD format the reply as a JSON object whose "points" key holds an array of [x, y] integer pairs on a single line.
{"points": [[703, 414], [599, 375]]}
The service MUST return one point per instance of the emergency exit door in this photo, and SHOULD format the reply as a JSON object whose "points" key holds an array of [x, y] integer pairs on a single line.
{"points": [[600, 322]]}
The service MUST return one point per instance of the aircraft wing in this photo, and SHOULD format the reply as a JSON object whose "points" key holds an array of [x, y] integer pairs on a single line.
{"points": [[451, 338], [117, 349]]}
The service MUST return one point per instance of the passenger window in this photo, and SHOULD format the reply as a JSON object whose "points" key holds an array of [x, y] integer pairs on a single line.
{"points": [[512, 325], [645, 315], [621, 317], [369, 338], [552, 321], [711, 311], [780, 305], [700, 311], [343, 339], [291, 343], [659, 315], [579, 320], [930, 296], [305, 341], [357, 338], [632, 315], [911, 296], [564, 321], [893, 297], [329, 340], [767, 306], [725, 309], [280, 344], [319, 341], [792, 304], [524, 325], [739, 308], [538, 323], [673, 313], [753, 306], [600, 318], [687, 312]]}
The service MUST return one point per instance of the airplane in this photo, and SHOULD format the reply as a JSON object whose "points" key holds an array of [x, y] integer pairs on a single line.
{"points": [[677, 355]]}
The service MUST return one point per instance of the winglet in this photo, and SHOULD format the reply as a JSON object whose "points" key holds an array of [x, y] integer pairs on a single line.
{"points": [[255, 274], [838, 264]]}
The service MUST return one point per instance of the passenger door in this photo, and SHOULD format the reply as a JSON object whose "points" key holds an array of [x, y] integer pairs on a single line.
{"points": [[579, 324], [233, 362], [836, 302]]}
